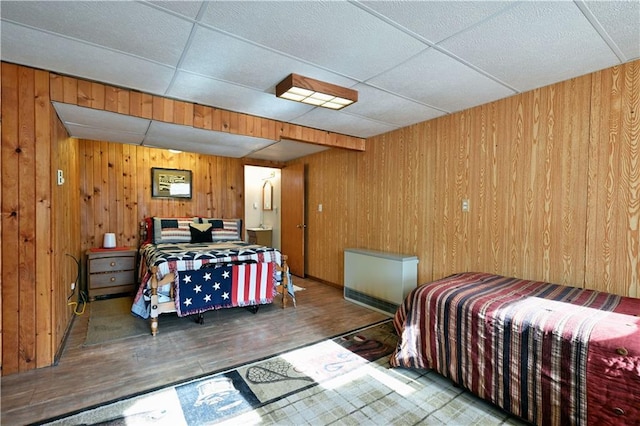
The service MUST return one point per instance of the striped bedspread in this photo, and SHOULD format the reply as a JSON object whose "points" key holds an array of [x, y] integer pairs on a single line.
{"points": [[551, 354]]}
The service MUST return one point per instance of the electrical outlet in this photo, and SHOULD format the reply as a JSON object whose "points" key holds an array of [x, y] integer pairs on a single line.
{"points": [[73, 286]]}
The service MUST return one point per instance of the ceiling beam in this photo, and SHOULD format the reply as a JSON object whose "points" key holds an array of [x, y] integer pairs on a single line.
{"points": [[104, 97]]}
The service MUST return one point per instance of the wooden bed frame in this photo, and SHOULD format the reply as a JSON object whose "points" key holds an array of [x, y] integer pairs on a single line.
{"points": [[158, 308]]}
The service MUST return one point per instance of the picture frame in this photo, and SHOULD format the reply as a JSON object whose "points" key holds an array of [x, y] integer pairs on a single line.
{"points": [[170, 183]]}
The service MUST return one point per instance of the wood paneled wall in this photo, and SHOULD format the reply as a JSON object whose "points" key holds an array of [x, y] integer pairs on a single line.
{"points": [[38, 223], [552, 177], [116, 189]]}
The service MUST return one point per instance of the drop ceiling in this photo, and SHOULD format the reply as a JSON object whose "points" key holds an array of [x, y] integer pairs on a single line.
{"points": [[410, 61]]}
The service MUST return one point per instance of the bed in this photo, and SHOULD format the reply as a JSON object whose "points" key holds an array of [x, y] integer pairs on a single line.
{"points": [[193, 265], [551, 354]]}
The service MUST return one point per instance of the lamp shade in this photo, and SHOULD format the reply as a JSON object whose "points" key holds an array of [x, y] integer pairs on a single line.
{"points": [[109, 240]]}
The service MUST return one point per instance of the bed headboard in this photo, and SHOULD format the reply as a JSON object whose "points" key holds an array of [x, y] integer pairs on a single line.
{"points": [[177, 229]]}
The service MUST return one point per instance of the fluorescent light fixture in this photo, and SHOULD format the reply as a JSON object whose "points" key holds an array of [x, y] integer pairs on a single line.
{"points": [[315, 92], [175, 151]]}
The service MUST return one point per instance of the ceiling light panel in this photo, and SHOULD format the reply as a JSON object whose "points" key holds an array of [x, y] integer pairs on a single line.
{"points": [[315, 92]]}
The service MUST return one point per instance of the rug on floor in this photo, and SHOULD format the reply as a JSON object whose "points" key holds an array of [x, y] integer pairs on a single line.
{"points": [[226, 395], [111, 320]]}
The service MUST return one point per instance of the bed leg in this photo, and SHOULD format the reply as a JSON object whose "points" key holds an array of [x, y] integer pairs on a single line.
{"points": [[200, 319], [285, 280], [154, 301]]}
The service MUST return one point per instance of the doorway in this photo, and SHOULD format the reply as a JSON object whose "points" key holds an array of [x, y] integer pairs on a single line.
{"points": [[257, 213]]}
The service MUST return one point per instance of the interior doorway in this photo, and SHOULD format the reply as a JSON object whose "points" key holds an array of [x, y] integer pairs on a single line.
{"points": [[261, 212]]}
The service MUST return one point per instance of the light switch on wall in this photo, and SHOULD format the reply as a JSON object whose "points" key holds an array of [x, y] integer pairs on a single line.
{"points": [[319, 207]]}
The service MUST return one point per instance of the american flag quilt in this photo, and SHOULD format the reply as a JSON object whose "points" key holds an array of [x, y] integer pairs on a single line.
{"points": [[551, 354], [179, 257], [224, 286]]}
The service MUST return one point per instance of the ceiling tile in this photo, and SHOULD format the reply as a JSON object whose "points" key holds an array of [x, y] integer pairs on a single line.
{"points": [[287, 150], [534, 44], [185, 8], [87, 123], [129, 27], [445, 18], [435, 79], [89, 117], [187, 146], [101, 134], [166, 135], [382, 106], [342, 122], [22, 45], [214, 54], [621, 21], [338, 36]]}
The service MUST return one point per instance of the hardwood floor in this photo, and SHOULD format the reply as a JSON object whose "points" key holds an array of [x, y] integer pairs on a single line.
{"points": [[90, 376]]}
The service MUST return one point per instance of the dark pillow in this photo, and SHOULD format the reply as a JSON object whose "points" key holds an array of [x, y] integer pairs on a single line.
{"points": [[216, 223], [200, 232]]}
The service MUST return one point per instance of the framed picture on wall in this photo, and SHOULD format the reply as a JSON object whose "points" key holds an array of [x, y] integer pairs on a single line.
{"points": [[170, 183]]}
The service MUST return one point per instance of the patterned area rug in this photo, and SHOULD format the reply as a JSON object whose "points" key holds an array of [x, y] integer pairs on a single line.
{"points": [[227, 396]]}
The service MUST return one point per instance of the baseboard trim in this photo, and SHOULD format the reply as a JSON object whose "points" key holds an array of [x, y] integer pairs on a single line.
{"points": [[329, 283]]}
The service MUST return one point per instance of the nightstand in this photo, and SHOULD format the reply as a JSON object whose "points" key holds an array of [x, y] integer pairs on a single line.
{"points": [[259, 236], [111, 271]]}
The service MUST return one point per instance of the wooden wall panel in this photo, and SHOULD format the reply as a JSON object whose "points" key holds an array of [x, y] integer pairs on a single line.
{"points": [[65, 234], [43, 235], [552, 176], [10, 220], [116, 189], [336, 216], [35, 314], [26, 189], [613, 235]]}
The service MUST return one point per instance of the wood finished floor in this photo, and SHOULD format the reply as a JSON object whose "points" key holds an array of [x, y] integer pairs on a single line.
{"points": [[90, 376]]}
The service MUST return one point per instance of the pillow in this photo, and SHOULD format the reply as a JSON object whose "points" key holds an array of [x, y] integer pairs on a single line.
{"points": [[200, 232], [225, 229], [172, 229]]}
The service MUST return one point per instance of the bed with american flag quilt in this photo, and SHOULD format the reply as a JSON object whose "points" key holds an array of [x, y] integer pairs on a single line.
{"points": [[190, 278], [551, 354]]}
